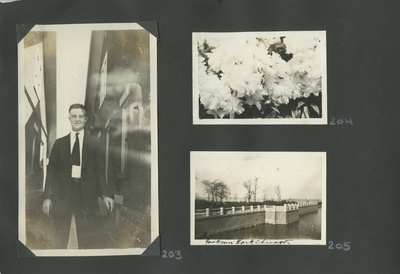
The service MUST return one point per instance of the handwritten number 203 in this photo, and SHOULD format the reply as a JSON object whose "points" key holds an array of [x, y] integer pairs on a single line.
{"points": [[345, 246], [171, 254]]}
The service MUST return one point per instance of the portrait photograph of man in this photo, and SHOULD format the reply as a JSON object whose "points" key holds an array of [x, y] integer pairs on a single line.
{"points": [[87, 139], [74, 189]]}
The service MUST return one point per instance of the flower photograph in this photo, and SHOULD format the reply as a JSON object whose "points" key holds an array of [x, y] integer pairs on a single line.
{"points": [[259, 78]]}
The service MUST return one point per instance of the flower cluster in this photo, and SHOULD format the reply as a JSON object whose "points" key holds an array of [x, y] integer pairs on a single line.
{"points": [[238, 73]]}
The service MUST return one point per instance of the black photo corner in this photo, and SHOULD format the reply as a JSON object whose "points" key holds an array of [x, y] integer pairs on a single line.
{"points": [[231, 136]]}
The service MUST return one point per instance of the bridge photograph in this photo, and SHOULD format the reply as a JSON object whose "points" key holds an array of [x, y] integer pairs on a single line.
{"points": [[258, 198]]}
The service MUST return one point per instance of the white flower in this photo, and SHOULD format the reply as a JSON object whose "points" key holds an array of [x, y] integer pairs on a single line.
{"points": [[213, 92], [234, 105], [247, 70]]}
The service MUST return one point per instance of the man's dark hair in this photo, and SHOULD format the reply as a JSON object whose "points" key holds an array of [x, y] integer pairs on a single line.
{"points": [[77, 106]]}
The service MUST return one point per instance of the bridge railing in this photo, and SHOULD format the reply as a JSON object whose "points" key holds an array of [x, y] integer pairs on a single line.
{"points": [[307, 204], [295, 206], [200, 212], [241, 209], [230, 210]]}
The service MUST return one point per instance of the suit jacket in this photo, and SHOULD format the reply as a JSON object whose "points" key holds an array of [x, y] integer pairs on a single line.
{"points": [[58, 180]]}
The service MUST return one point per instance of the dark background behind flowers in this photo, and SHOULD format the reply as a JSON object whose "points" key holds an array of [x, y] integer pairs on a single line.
{"points": [[362, 160]]}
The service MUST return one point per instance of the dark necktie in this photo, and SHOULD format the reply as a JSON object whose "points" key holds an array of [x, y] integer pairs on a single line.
{"points": [[76, 159]]}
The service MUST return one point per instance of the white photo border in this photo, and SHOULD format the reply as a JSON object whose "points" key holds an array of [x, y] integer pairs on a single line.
{"points": [[247, 242], [258, 121], [154, 230]]}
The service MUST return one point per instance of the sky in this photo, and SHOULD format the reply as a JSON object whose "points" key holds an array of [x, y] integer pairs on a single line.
{"points": [[299, 174]]}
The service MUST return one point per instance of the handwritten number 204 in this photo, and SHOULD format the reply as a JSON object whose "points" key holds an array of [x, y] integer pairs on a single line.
{"points": [[171, 254], [345, 246], [339, 122]]}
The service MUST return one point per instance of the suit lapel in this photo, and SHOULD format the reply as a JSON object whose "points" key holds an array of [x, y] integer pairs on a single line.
{"points": [[85, 150], [66, 146]]}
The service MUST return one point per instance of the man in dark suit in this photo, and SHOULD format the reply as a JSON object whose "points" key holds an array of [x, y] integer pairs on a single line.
{"points": [[75, 180]]}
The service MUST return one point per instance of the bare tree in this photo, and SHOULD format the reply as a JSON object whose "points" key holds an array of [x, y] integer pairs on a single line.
{"points": [[255, 188], [248, 185], [269, 191], [222, 191], [278, 193], [209, 188], [216, 189]]}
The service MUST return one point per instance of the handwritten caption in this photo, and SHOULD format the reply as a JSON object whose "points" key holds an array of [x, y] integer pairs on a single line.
{"points": [[341, 121], [247, 242], [177, 254], [345, 246]]}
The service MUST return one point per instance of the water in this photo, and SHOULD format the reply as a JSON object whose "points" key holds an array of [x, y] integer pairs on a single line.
{"points": [[308, 227]]}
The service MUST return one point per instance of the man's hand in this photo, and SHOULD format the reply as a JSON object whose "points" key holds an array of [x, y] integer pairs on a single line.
{"points": [[109, 203], [47, 206]]}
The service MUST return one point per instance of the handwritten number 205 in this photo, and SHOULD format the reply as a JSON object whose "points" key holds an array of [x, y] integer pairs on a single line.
{"points": [[172, 254], [345, 246]]}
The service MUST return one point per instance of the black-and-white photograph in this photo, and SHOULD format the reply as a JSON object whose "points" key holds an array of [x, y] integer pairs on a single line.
{"points": [[258, 198], [88, 168], [259, 77]]}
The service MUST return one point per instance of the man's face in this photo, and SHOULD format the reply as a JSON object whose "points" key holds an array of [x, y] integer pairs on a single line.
{"points": [[77, 117]]}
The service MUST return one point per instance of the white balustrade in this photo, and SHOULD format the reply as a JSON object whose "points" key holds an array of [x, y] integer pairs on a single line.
{"points": [[251, 208]]}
